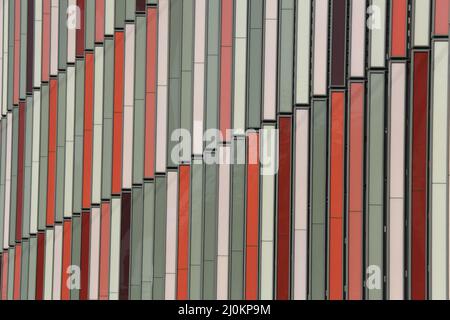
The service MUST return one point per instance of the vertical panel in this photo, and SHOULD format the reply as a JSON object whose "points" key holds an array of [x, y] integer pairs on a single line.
{"points": [[303, 33], [301, 194], [355, 196], [357, 38], [419, 177], [223, 224], [337, 185], [183, 232], [270, 59], [171, 236], [320, 47]]}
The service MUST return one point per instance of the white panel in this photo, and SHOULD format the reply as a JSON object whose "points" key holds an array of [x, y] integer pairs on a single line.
{"points": [[54, 37], [109, 17], [57, 262], [270, 59], [421, 22], [396, 180], [71, 32], [439, 167], [48, 268], [161, 114], [223, 224], [267, 227], [127, 161], [240, 67], [5, 59], [199, 77], [301, 204], [70, 132], [377, 22], [358, 39], [94, 254], [114, 262], [98, 127], [303, 51], [320, 47], [171, 235]]}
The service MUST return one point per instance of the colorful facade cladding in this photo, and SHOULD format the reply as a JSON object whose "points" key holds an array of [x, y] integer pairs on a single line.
{"points": [[224, 149]]}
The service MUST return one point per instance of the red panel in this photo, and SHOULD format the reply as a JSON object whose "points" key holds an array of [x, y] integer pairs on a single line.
{"points": [[441, 21], [118, 112], [284, 206], [84, 262], [17, 269], [80, 31], [226, 67], [52, 127], [104, 251], [99, 20], [16, 51], [5, 275], [46, 9], [183, 233], [419, 177], [149, 165], [88, 128], [252, 225], [399, 24], [20, 171], [66, 259], [337, 195], [40, 266], [356, 147]]}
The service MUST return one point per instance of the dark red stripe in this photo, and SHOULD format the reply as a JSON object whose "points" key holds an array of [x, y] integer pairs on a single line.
{"points": [[30, 46], [284, 206], [80, 30], [125, 246], [419, 177], [40, 266], [84, 262]]}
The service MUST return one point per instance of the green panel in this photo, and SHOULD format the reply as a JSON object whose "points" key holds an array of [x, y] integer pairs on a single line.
{"points": [[119, 11], [255, 51], [79, 126], [212, 65], [148, 240], [43, 158], [89, 25], [10, 83], [15, 149], [318, 199], [237, 224], [23, 48], [130, 9], [187, 65], [76, 250], [375, 172], [160, 239], [286, 56], [175, 53], [27, 174], [2, 176], [139, 102], [196, 245], [210, 232]]}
